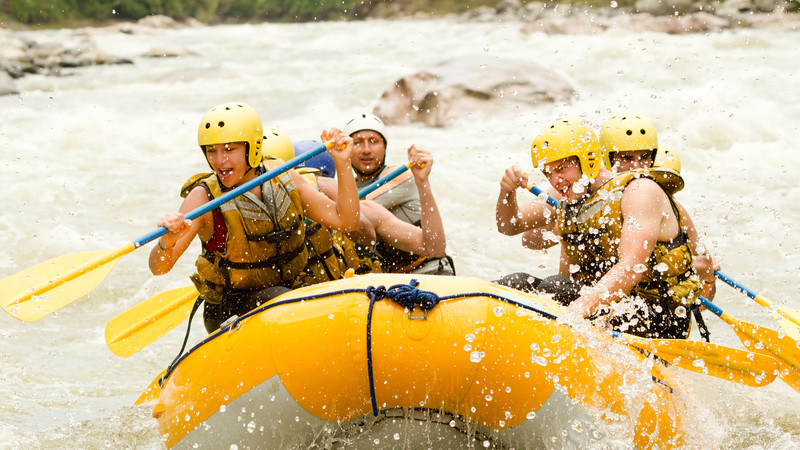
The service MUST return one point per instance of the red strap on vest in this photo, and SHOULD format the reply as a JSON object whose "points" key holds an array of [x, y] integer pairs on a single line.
{"points": [[217, 241]]}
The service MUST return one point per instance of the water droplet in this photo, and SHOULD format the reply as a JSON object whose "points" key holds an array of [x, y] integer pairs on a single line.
{"points": [[488, 398], [330, 316], [613, 4], [640, 268], [396, 436], [234, 447], [698, 363], [508, 389], [499, 311], [680, 311], [531, 415], [661, 267], [486, 444], [470, 337], [467, 347], [453, 423], [251, 427], [546, 352], [476, 356]]}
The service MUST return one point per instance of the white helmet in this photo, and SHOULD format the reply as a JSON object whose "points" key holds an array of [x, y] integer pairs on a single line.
{"points": [[366, 121]]}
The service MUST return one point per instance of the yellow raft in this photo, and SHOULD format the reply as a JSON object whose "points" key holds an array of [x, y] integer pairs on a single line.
{"points": [[380, 360]]}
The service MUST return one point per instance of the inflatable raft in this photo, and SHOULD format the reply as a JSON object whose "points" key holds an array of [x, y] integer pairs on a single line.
{"points": [[412, 362]]}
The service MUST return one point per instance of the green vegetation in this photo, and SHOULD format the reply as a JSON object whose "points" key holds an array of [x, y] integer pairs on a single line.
{"points": [[48, 13]]}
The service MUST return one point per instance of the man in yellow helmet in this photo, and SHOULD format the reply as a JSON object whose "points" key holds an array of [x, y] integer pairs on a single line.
{"points": [[630, 142], [625, 254], [254, 245]]}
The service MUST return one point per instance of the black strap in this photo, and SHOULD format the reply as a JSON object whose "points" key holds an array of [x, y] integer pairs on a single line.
{"points": [[198, 301], [701, 324]]}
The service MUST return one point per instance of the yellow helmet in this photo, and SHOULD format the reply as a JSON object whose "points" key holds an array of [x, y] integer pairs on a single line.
{"points": [[277, 144], [667, 169], [565, 138], [627, 133], [233, 122]]}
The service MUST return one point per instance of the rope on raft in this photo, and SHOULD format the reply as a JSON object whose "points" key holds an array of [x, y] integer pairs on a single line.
{"points": [[405, 295]]}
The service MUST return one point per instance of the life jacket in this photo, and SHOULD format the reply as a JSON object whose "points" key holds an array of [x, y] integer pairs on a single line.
{"points": [[401, 198], [331, 252], [591, 231], [264, 239]]}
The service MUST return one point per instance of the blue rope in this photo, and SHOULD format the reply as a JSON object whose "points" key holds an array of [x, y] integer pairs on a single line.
{"points": [[405, 295]]}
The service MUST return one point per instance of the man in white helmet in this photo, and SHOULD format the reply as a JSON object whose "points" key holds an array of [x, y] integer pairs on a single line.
{"points": [[401, 197]]}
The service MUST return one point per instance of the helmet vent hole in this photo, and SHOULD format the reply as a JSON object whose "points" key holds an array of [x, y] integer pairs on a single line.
{"points": [[221, 124], [629, 132], [208, 125], [643, 131]]}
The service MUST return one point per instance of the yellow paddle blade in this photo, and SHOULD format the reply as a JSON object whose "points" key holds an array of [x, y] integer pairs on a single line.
{"points": [[143, 324], [762, 340], [34, 293], [752, 369], [789, 320], [152, 392]]}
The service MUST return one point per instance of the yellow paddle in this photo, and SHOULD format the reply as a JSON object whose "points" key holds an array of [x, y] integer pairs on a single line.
{"points": [[34, 293], [141, 325], [146, 322], [709, 359], [762, 340], [788, 318]]}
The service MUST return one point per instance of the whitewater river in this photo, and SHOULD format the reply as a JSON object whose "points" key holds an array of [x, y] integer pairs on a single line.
{"points": [[92, 160]]}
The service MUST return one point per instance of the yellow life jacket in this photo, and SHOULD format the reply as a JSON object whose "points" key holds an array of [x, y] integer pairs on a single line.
{"points": [[264, 244], [591, 231], [331, 252]]}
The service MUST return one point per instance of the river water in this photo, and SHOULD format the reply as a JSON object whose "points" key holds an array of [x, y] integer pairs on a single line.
{"points": [[92, 160]]}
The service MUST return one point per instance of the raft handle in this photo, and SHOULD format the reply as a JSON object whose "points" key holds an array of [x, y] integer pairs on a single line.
{"points": [[412, 316], [230, 320]]}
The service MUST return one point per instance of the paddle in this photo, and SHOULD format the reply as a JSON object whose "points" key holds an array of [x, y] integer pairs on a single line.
{"points": [[143, 324], [146, 322], [384, 179], [784, 314], [537, 192], [761, 340], [34, 293], [709, 359]]}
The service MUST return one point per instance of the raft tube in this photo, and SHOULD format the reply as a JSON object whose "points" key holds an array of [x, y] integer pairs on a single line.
{"points": [[412, 361]]}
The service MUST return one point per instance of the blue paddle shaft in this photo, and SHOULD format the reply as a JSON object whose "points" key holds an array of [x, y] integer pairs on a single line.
{"points": [[550, 200], [261, 179], [711, 307], [385, 179], [734, 284]]}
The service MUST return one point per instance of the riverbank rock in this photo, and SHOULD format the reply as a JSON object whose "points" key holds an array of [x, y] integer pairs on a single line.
{"points": [[19, 56], [468, 86], [7, 85]]}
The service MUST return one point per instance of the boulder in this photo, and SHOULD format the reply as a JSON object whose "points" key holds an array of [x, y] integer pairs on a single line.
{"points": [[470, 86], [7, 85]]}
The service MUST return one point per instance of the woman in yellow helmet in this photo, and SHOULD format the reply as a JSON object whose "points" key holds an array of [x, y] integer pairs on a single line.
{"points": [[253, 245], [623, 233]]}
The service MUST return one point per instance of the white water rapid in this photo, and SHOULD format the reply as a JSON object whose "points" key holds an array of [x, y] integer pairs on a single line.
{"points": [[92, 160]]}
